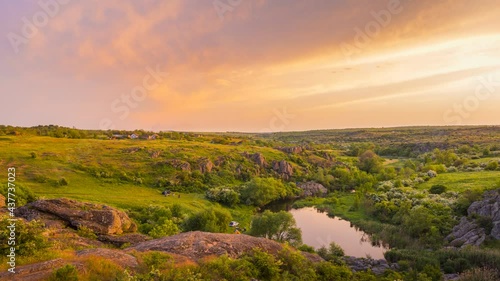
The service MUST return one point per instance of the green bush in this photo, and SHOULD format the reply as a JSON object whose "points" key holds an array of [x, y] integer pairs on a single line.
{"points": [[23, 194], [63, 182], [492, 166], [86, 232], [66, 273], [223, 195], [210, 220], [438, 189], [29, 237]]}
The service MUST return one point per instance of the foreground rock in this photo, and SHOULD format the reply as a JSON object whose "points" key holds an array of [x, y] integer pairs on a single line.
{"points": [[198, 245], [43, 270], [33, 272], [471, 230], [312, 189], [101, 219], [124, 240]]}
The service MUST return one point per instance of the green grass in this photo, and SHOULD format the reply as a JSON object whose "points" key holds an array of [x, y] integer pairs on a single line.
{"points": [[462, 181]]}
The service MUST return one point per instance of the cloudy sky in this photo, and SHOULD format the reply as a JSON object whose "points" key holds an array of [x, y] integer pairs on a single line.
{"points": [[249, 65]]}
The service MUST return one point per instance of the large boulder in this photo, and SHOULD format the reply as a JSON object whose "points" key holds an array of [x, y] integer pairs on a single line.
{"points": [[292, 150], [198, 245], [259, 159], [469, 231], [205, 165], [101, 219], [312, 189], [283, 168], [129, 239]]}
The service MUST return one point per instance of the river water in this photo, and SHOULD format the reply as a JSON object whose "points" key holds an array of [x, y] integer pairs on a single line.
{"points": [[320, 230]]}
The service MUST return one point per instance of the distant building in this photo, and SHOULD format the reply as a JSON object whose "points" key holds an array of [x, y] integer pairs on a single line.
{"points": [[134, 136]]}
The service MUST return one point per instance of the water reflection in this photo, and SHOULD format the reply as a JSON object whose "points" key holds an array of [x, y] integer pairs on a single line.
{"points": [[318, 229]]}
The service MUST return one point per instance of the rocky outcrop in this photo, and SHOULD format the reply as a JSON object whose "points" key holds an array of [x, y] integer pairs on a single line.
{"points": [[363, 264], [489, 207], [155, 154], [467, 232], [292, 150], [178, 164], [198, 245], [312, 189], [101, 219], [126, 239], [33, 272], [43, 270], [283, 168], [259, 159], [205, 165], [471, 230]]}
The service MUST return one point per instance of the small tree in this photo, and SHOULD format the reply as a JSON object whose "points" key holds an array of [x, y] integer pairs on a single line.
{"points": [[279, 226], [492, 166]]}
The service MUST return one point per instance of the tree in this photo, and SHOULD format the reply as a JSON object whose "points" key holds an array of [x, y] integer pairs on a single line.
{"points": [[211, 220], [279, 226], [370, 162], [262, 191], [223, 195]]}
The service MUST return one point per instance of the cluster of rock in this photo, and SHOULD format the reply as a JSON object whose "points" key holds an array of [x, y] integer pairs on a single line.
{"points": [[114, 227], [469, 231], [291, 150], [198, 245], [205, 165], [311, 188], [283, 168], [363, 264]]}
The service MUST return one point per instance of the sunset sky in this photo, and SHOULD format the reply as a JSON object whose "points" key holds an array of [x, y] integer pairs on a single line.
{"points": [[243, 65]]}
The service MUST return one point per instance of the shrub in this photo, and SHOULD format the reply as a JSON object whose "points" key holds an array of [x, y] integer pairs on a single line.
{"points": [[306, 248], [492, 166], [167, 228], [333, 253], [63, 182], [223, 195], [437, 189], [67, 273], [157, 260], [86, 232], [29, 235], [24, 195], [33, 155], [480, 274], [211, 220]]}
